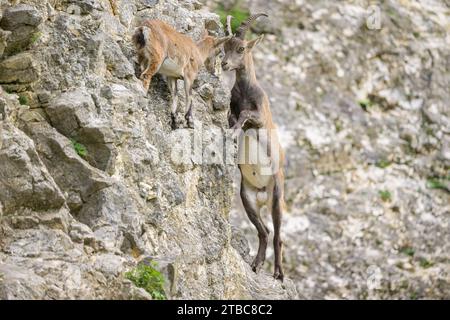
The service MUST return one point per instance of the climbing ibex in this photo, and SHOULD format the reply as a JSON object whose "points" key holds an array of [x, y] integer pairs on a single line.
{"points": [[161, 49], [250, 111]]}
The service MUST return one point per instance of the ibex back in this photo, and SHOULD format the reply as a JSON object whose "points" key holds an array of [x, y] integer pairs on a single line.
{"points": [[161, 49]]}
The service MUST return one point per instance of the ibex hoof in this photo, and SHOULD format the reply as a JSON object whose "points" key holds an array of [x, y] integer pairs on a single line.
{"points": [[173, 123], [278, 275], [190, 123], [257, 265]]}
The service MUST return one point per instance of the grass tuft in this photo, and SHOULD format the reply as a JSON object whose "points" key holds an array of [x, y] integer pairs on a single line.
{"points": [[437, 183]]}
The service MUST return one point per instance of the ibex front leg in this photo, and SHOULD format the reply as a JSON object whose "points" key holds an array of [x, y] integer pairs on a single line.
{"points": [[154, 62], [251, 116]]}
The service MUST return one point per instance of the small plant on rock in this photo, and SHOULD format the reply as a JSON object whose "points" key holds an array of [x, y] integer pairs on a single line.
{"points": [[148, 278], [424, 263], [365, 104], [437, 183], [385, 195], [23, 100], [407, 250], [79, 148], [35, 37], [383, 164]]}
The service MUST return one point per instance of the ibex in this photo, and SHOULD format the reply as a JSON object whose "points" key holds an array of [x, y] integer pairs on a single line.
{"points": [[250, 109], [161, 49]]}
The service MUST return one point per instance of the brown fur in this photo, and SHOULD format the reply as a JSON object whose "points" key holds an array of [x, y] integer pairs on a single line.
{"points": [[158, 45]]}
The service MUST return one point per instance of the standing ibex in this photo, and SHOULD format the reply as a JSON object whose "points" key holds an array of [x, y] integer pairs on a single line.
{"points": [[161, 49], [250, 111]]}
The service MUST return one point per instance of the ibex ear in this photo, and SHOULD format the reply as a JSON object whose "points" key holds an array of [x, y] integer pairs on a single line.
{"points": [[253, 43], [219, 41]]}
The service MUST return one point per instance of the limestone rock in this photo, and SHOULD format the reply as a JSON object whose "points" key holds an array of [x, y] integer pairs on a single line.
{"points": [[18, 283], [23, 21], [21, 68], [21, 14], [25, 181], [3, 38]]}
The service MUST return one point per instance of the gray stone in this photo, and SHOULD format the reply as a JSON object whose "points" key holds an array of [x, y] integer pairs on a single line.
{"points": [[21, 14], [60, 157], [115, 60], [17, 283], [3, 38], [21, 68], [24, 179]]}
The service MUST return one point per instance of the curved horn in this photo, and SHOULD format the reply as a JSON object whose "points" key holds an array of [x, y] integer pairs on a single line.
{"points": [[243, 28], [230, 31]]}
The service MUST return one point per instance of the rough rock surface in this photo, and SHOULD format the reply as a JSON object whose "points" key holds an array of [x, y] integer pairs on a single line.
{"points": [[365, 121], [88, 187]]}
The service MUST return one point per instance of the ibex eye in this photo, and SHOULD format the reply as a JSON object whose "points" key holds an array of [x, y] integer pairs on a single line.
{"points": [[241, 49]]}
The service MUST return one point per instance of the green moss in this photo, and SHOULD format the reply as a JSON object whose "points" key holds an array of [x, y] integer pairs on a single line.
{"points": [[79, 148], [365, 104], [148, 278], [35, 37], [414, 296], [383, 164], [23, 100], [437, 183], [8, 90], [239, 15], [424, 263], [338, 125], [407, 250], [385, 195]]}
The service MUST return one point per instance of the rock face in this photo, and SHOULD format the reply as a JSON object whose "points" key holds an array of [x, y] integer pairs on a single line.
{"points": [[88, 183], [364, 117]]}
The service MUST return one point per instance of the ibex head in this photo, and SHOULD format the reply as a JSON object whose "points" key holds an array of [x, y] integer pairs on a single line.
{"points": [[210, 48], [237, 47]]}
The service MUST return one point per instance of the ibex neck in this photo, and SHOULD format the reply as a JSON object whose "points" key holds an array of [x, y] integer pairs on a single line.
{"points": [[247, 73]]}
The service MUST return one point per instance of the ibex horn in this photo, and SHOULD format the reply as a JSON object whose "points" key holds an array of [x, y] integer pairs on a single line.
{"points": [[243, 28], [230, 31]]}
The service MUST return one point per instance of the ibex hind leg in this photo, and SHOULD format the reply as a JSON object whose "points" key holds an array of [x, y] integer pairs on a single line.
{"points": [[249, 200], [277, 207], [188, 82], [172, 82]]}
